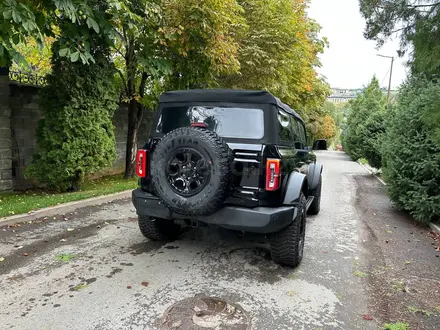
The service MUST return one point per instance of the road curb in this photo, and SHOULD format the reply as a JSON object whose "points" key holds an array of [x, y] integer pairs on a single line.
{"points": [[373, 174], [434, 227], [63, 208]]}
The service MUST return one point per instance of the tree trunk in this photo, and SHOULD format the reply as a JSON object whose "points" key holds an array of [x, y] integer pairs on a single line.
{"points": [[130, 154]]}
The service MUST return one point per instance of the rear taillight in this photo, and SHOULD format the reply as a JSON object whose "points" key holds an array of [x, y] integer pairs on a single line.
{"points": [[141, 163], [273, 174]]}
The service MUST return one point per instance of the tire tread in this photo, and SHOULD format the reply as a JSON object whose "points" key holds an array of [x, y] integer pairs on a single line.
{"points": [[284, 244]]}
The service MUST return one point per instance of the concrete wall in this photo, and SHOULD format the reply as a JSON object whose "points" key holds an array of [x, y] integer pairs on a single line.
{"points": [[19, 117], [5, 133]]}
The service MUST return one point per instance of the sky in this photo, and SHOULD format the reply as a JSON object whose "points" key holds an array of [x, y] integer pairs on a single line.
{"points": [[351, 60]]}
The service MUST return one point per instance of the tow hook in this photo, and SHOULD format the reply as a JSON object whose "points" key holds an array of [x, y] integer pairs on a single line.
{"points": [[194, 224]]}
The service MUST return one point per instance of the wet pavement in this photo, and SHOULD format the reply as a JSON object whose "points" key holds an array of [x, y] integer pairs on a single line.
{"points": [[94, 270]]}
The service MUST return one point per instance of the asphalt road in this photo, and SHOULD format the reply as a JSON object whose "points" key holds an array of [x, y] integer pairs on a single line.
{"points": [[93, 269]]}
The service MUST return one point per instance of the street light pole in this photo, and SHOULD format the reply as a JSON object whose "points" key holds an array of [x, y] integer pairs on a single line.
{"points": [[391, 76]]}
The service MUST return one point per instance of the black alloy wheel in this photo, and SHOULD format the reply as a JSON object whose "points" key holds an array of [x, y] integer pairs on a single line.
{"points": [[188, 172]]}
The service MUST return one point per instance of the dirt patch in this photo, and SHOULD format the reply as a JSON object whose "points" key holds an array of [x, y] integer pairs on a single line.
{"points": [[399, 260]]}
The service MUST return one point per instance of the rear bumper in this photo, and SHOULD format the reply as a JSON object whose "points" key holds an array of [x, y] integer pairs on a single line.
{"points": [[262, 220]]}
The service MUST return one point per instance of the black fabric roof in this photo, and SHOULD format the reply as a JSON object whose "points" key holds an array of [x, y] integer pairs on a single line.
{"points": [[225, 95]]}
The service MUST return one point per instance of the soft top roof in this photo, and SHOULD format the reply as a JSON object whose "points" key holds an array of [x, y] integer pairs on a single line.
{"points": [[225, 95]]}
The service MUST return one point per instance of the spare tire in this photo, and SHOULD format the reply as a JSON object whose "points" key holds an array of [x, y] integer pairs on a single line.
{"points": [[190, 171]]}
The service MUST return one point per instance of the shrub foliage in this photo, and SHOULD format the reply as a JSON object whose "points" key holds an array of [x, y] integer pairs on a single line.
{"points": [[366, 125], [411, 150], [76, 136]]}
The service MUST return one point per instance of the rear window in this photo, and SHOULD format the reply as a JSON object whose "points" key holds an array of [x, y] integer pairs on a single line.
{"points": [[229, 122]]}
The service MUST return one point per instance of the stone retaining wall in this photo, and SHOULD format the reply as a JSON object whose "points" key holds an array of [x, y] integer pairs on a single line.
{"points": [[19, 116]]}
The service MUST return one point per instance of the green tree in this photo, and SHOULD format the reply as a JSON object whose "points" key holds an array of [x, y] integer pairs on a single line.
{"points": [[365, 125], [321, 123], [279, 53], [415, 22], [199, 41], [171, 44], [37, 19], [76, 136], [412, 150], [37, 59]]}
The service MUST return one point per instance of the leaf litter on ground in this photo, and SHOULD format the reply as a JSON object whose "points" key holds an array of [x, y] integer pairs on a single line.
{"points": [[80, 286], [65, 257]]}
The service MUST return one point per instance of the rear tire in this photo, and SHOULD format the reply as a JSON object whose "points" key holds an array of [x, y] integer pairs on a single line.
{"points": [[287, 246], [159, 229], [315, 207]]}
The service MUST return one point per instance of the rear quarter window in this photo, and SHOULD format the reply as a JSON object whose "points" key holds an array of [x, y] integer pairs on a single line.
{"points": [[228, 122]]}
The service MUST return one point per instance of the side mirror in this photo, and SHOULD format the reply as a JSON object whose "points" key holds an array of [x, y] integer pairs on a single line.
{"points": [[320, 145]]}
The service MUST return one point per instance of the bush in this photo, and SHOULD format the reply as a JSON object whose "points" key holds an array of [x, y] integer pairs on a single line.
{"points": [[411, 151], [372, 133], [76, 136], [362, 137]]}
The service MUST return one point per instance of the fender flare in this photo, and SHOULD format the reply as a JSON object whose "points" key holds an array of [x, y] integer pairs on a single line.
{"points": [[314, 175], [295, 185]]}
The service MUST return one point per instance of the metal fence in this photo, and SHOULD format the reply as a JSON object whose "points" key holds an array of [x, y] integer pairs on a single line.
{"points": [[27, 78]]}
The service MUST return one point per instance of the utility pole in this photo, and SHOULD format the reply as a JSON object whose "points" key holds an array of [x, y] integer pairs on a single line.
{"points": [[391, 75]]}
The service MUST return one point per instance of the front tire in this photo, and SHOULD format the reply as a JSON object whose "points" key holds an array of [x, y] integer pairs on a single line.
{"points": [[315, 207], [287, 246], [159, 229]]}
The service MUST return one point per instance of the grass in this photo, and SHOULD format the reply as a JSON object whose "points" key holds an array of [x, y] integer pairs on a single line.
{"points": [[396, 326], [24, 202], [363, 161]]}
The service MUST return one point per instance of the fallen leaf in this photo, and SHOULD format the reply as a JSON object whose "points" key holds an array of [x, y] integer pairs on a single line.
{"points": [[367, 317], [144, 283], [129, 287], [25, 254], [70, 229], [2, 259], [80, 286], [438, 249], [65, 257]]}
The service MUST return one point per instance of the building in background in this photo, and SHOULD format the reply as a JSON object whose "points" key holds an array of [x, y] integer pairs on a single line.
{"points": [[341, 95]]}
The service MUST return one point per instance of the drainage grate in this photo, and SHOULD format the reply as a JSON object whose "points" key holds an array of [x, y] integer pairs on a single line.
{"points": [[202, 312]]}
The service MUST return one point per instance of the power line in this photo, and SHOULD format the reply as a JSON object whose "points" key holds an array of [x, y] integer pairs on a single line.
{"points": [[386, 75]]}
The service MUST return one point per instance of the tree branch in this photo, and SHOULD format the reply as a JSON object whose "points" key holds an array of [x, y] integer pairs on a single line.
{"points": [[124, 82]]}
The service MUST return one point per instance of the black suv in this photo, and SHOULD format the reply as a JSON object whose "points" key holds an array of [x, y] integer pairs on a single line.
{"points": [[229, 158]]}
